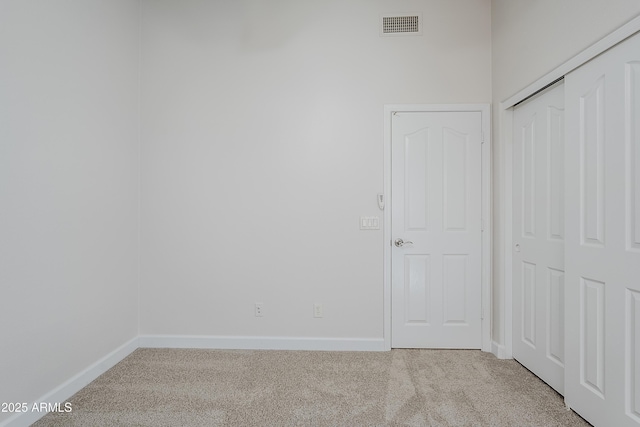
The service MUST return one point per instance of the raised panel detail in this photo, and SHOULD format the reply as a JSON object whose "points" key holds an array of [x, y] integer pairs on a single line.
{"points": [[416, 180], [528, 179], [528, 301], [455, 287], [416, 280], [555, 179], [455, 151], [555, 320], [633, 354], [632, 124], [592, 165], [592, 335]]}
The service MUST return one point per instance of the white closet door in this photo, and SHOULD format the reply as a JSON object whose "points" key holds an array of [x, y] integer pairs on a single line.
{"points": [[602, 258], [538, 235]]}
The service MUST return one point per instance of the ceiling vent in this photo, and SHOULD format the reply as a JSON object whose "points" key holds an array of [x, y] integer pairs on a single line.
{"points": [[406, 24]]}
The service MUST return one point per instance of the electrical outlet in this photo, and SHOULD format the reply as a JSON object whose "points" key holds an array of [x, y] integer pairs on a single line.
{"points": [[259, 309], [317, 310]]}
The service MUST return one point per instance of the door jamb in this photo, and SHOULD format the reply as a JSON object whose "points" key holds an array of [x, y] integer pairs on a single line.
{"points": [[485, 110]]}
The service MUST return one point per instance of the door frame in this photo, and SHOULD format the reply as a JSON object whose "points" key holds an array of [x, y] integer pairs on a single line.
{"points": [[504, 259], [486, 255]]}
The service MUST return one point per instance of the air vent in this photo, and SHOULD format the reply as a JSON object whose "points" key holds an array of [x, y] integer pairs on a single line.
{"points": [[401, 25]]}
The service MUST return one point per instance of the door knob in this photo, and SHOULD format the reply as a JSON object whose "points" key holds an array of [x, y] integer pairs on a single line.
{"points": [[517, 247], [400, 243]]}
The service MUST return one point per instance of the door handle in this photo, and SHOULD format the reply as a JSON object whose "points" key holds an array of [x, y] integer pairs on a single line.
{"points": [[400, 243]]}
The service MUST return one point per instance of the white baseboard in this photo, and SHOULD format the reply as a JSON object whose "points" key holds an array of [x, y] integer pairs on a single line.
{"points": [[63, 392], [499, 350], [261, 343]]}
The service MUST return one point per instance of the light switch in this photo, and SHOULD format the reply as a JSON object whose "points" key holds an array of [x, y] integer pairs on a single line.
{"points": [[369, 223]]}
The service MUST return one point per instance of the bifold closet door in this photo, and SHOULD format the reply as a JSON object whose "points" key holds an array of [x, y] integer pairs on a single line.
{"points": [[602, 257], [538, 235]]}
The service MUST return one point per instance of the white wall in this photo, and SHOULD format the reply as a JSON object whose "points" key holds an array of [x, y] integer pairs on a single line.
{"points": [[262, 145], [529, 39], [68, 188]]}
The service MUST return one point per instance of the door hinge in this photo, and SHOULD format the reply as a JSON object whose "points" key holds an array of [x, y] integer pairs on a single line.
{"points": [[482, 225], [481, 137]]}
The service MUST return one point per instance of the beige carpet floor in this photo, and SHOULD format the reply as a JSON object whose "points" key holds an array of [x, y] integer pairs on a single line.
{"points": [[175, 387]]}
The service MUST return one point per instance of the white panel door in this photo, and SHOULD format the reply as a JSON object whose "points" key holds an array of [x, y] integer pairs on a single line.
{"points": [[602, 258], [436, 211], [538, 236]]}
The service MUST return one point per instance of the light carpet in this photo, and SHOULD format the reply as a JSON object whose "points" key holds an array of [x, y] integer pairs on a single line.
{"points": [[185, 387]]}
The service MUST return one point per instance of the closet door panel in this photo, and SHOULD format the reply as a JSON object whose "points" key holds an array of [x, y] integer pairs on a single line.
{"points": [[602, 260], [538, 230]]}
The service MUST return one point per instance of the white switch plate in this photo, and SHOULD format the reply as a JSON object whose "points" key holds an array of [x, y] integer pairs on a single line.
{"points": [[369, 223]]}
